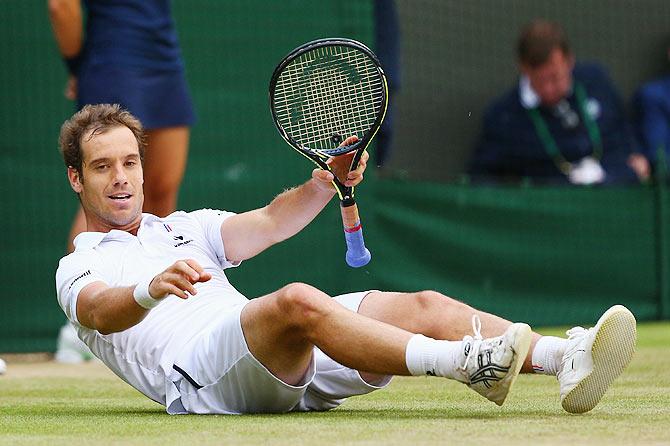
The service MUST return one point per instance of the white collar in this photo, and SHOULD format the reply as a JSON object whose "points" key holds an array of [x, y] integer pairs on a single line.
{"points": [[529, 99], [88, 240]]}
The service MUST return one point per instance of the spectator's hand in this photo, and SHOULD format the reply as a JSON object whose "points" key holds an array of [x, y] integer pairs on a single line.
{"points": [[340, 166], [70, 91], [640, 166], [178, 279]]}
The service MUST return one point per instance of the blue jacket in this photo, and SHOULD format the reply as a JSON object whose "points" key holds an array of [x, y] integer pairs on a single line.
{"points": [[510, 147], [652, 118]]}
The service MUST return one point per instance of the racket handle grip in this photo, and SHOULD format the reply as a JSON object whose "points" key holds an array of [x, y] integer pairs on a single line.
{"points": [[357, 254]]}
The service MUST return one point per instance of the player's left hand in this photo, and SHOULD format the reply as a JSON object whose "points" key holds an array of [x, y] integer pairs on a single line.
{"points": [[340, 166]]}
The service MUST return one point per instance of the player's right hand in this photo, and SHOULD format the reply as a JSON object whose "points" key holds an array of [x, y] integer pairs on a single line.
{"points": [[178, 279], [339, 166]]}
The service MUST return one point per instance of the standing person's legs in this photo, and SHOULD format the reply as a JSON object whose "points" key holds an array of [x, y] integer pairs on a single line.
{"points": [[164, 166], [71, 349], [78, 226]]}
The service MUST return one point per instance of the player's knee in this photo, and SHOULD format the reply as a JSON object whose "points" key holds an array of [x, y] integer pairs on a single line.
{"points": [[427, 300], [431, 302], [302, 304]]}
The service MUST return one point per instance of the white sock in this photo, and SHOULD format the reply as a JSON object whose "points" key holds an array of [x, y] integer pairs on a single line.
{"points": [[547, 355], [427, 356]]}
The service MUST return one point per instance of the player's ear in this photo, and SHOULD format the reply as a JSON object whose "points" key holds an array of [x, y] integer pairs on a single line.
{"points": [[74, 177]]}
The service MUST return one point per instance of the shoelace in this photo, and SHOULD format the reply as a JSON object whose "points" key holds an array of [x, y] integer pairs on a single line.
{"points": [[573, 333], [476, 341]]}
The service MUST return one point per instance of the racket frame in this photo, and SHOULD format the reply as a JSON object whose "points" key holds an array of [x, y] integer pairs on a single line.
{"points": [[357, 254], [321, 156]]}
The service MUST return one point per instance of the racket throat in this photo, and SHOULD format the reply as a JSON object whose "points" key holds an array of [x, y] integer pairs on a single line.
{"points": [[350, 217]]}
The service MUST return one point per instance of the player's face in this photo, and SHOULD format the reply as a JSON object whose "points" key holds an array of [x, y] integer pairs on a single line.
{"points": [[110, 186], [552, 80]]}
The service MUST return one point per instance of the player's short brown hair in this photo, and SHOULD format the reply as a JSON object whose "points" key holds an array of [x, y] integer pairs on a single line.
{"points": [[538, 40], [95, 119]]}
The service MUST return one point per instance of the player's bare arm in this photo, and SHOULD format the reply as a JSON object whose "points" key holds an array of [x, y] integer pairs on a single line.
{"points": [[113, 309], [250, 233]]}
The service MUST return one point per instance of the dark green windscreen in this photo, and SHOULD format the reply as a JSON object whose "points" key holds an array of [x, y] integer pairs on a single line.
{"points": [[547, 256]]}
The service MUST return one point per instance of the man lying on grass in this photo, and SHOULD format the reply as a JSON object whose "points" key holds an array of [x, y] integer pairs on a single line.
{"points": [[149, 296]]}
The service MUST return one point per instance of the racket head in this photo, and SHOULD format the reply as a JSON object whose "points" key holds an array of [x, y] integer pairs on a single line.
{"points": [[325, 91]]}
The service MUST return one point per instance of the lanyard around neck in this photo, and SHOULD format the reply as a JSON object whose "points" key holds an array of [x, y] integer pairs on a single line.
{"points": [[548, 141]]}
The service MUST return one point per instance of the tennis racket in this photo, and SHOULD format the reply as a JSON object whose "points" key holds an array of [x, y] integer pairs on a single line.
{"points": [[320, 94]]}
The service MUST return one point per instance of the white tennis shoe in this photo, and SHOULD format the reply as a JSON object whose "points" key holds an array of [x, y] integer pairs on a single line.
{"points": [[71, 349], [492, 365], [595, 357]]}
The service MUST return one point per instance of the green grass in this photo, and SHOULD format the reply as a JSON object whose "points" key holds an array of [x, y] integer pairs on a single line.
{"points": [[51, 404]]}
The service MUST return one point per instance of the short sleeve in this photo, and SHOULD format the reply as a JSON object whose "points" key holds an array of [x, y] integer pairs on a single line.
{"points": [[210, 220], [75, 271]]}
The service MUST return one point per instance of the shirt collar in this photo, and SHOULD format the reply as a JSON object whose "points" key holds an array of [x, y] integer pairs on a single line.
{"points": [[529, 99], [88, 240]]}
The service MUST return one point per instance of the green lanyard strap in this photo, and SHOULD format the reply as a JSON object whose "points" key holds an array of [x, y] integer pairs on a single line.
{"points": [[548, 141], [591, 126]]}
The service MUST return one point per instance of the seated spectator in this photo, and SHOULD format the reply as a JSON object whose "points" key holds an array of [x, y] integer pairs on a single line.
{"points": [[564, 122], [652, 106]]}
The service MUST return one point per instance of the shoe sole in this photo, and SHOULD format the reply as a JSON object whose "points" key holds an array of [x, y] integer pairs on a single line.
{"points": [[612, 350], [521, 345]]}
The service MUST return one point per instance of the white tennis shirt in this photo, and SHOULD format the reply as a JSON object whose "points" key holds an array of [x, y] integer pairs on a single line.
{"points": [[143, 355]]}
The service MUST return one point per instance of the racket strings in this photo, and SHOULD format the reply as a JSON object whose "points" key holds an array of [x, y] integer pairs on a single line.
{"points": [[339, 113], [331, 91]]}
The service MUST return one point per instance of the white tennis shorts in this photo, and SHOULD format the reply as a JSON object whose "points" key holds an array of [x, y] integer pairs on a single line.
{"points": [[219, 375]]}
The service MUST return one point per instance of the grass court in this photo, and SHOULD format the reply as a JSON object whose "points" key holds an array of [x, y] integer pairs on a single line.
{"points": [[55, 404]]}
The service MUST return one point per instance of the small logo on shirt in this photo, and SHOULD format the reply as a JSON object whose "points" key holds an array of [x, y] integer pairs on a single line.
{"points": [[181, 240], [81, 276]]}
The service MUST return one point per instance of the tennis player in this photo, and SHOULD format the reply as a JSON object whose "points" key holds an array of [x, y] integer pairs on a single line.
{"points": [[151, 299]]}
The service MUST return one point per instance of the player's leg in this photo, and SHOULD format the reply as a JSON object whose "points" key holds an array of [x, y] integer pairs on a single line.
{"points": [[585, 364], [282, 328], [435, 315], [164, 166]]}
